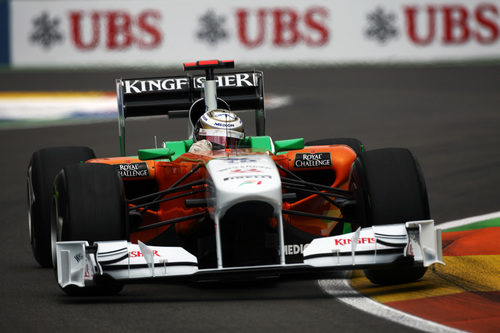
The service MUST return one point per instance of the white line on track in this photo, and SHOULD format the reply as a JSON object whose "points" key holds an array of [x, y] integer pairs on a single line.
{"points": [[341, 289], [49, 106], [469, 220]]}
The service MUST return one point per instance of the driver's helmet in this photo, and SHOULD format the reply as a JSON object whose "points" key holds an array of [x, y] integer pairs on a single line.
{"points": [[223, 128]]}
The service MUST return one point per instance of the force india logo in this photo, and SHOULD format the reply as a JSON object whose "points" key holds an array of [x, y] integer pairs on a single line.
{"points": [[133, 170], [251, 182], [310, 160]]}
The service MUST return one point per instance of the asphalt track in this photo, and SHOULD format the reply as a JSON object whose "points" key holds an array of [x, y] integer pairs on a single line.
{"points": [[448, 116]]}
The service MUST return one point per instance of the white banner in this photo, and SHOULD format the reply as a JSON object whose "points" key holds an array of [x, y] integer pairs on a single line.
{"points": [[167, 33]]}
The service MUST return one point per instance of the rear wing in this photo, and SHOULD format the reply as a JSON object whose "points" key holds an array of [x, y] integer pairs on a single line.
{"points": [[173, 96]]}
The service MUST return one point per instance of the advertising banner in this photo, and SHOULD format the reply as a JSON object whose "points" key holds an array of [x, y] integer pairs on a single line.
{"points": [[167, 33]]}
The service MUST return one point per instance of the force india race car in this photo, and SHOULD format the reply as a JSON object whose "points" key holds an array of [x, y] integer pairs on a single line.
{"points": [[264, 209]]}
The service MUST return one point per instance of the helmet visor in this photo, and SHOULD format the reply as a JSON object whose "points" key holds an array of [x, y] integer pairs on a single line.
{"points": [[221, 139]]}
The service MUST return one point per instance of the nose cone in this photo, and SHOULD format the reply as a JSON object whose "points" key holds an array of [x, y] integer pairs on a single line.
{"points": [[244, 178]]}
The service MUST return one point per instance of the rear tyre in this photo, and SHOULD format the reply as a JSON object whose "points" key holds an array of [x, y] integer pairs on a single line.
{"points": [[43, 167], [89, 204], [389, 188], [353, 143]]}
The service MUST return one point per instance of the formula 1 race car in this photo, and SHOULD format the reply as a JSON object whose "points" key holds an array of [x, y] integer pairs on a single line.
{"points": [[264, 208]]}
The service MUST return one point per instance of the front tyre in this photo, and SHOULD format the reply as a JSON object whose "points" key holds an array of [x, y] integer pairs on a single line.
{"points": [[43, 167], [89, 204], [389, 188]]}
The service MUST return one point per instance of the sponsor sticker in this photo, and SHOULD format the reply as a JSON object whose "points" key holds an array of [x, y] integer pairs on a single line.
{"points": [[136, 254], [78, 257], [291, 249], [413, 235], [245, 170], [88, 276], [224, 124], [133, 169], [139, 86], [249, 177], [347, 241], [221, 132], [251, 182], [312, 160], [152, 85], [229, 80], [240, 160], [224, 116]]}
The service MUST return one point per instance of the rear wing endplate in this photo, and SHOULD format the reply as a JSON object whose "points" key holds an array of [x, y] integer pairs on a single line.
{"points": [[173, 96]]}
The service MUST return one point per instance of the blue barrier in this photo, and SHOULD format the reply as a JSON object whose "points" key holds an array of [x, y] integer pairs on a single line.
{"points": [[4, 33]]}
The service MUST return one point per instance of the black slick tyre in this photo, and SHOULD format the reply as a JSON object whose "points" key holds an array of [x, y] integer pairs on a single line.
{"points": [[90, 205], [389, 188], [353, 143], [43, 167]]}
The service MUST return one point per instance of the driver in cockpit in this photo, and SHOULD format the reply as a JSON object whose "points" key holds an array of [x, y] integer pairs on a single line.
{"points": [[217, 129]]}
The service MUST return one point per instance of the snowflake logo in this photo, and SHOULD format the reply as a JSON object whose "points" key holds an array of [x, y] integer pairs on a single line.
{"points": [[212, 28], [45, 31], [381, 25]]}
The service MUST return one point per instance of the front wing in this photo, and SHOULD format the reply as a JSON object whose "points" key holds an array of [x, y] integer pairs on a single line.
{"points": [[417, 243]]}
